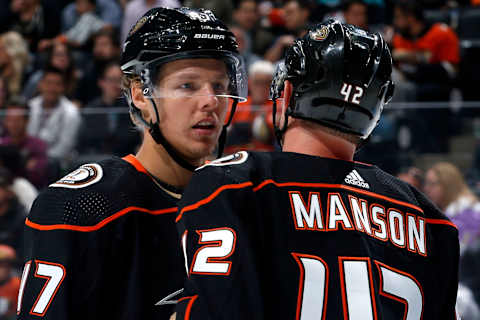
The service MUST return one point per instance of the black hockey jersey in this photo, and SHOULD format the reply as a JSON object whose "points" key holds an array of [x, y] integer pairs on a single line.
{"points": [[291, 236], [101, 243]]}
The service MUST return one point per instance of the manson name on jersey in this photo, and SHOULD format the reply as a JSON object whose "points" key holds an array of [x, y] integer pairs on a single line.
{"points": [[401, 228]]}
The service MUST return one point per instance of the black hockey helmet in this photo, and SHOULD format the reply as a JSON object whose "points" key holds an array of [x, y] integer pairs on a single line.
{"points": [[341, 78], [163, 35]]}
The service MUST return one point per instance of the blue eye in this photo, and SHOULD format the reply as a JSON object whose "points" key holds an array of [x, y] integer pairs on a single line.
{"points": [[186, 86], [219, 88]]}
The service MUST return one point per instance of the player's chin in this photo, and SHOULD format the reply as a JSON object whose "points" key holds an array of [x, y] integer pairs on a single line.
{"points": [[202, 148]]}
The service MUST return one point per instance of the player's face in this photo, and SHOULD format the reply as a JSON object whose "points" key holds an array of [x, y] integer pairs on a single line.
{"points": [[433, 189], [191, 116]]}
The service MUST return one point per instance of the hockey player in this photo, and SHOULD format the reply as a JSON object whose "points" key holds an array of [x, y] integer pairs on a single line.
{"points": [[308, 233], [102, 241]]}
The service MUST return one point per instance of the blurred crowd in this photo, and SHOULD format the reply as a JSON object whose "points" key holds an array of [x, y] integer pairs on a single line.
{"points": [[61, 102]]}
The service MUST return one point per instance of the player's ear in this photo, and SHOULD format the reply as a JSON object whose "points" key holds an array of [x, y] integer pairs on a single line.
{"points": [[140, 101]]}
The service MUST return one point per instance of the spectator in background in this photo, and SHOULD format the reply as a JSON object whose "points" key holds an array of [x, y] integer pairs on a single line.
{"points": [[366, 14], [246, 17], [9, 283], [4, 96], [12, 215], [58, 56], [426, 58], [136, 8], [109, 11], [242, 39], [13, 166], [87, 24], [414, 176], [13, 60], [105, 132], [427, 55], [54, 118], [355, 12], [35, 21], [297, 18], [3, 93], [466, 306], [32, 150], [252, 126], [106, 48], [446, 187]]}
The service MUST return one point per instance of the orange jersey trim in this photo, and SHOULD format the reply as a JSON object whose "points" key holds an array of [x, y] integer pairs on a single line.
{"points": [[441, 221], [338, 186], [304, 184], [189, 306], [211, 197], [134, 162], [99, 225]]}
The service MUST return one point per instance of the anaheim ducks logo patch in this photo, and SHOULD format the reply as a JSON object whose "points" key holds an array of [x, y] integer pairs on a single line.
{"points": [[236, 158], [86, 175], [319, 34]]}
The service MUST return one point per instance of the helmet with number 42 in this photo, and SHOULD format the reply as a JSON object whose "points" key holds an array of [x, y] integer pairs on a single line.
{"points": [[341, 77]]}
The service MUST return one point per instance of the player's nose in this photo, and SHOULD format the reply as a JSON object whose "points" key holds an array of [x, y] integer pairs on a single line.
{"points": [[208, 98]]}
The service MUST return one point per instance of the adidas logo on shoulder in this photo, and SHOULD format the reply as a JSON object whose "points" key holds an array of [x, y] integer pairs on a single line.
{"points": [[354, 178]]}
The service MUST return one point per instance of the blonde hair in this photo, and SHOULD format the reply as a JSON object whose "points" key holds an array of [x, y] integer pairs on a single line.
{"points": [[16, 48], [452, 182]]}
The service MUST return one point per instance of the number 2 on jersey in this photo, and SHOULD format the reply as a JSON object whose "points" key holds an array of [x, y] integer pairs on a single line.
{"points": [[218, 244], [357, 288], [53, 273]]}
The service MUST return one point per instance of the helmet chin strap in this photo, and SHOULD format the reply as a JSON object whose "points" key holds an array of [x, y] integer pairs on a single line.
{"points": [[279, 131], [159, 138], [223, 135]]}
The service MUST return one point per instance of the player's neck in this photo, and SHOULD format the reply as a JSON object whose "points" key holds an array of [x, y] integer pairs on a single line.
{"points": [[158, 163], [316, 142]]}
